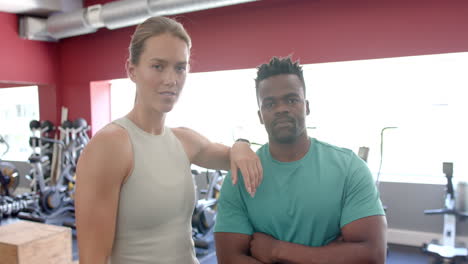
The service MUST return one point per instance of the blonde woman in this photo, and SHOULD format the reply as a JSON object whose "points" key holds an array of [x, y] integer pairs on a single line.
{"points": [[134, 193]]}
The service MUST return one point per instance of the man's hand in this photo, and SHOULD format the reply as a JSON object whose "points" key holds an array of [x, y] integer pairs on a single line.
{"points": [[243, 158], [263, 246]]}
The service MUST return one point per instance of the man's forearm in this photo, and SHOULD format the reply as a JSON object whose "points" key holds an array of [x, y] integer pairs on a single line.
{"points": [[335, 253], [238, 259]]}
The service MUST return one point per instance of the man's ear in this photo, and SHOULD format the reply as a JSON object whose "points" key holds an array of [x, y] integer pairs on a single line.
{"points": [[130, 68], [260, 117], [307, 107]]}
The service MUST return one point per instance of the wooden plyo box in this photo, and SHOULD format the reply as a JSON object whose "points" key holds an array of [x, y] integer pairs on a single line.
{"points": [[25, 242]]}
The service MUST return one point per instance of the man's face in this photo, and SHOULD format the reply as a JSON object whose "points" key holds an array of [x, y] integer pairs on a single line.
{"points": [[282, 107]]}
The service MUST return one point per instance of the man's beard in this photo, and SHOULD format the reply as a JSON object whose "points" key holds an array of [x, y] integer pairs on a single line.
{"points": [[289, 139], [285, 138]]}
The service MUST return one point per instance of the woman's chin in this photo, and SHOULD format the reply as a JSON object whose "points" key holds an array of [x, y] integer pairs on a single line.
{"points": [[165, 108]]}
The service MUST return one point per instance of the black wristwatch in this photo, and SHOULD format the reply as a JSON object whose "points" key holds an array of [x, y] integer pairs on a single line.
{"points": [[243, 140]]}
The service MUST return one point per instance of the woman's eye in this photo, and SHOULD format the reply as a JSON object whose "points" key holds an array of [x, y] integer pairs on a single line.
{"points": [[181, 68]]}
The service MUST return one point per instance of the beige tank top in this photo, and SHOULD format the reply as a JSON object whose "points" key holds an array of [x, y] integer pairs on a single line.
{"points": [[156, 202]]}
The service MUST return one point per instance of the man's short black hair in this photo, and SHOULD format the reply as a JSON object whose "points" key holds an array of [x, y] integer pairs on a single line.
{"points": [[278, 66]]}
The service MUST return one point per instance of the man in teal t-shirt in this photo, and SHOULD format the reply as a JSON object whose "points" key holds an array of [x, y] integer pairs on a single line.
{"points": [[317, 203]]}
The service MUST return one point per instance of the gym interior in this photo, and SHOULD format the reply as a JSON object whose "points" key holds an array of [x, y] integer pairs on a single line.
{"points": [[386, 79]]}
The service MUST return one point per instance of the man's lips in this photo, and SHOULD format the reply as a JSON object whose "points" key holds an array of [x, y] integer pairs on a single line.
{"points": [[283, 121]]}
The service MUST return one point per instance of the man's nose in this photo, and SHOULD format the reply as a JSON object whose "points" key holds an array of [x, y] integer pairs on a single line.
{"points": [[281, 108]]}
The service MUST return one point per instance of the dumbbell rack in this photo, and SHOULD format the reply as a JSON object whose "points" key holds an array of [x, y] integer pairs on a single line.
{"points": [[12, 206]]}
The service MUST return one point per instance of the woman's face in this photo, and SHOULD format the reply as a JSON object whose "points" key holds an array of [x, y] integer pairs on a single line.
{"points": [[160, 73]]}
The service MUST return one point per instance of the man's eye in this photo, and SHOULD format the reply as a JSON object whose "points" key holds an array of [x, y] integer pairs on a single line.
{"points": [[157, 67], [293, 101], [268, 105]]}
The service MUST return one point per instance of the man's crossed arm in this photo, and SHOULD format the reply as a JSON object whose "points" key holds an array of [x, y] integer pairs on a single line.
{"points": [[363, 241]]}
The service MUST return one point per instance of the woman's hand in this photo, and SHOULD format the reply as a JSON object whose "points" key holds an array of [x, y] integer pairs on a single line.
{"points": [[244, 159]]}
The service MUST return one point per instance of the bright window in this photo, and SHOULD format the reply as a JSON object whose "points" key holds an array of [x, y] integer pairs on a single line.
{"points": [[18, 107], [424, 96], [122, 97], [351, 102]]}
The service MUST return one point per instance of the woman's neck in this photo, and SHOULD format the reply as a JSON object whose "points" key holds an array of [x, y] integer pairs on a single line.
{"points": [[149, 121]]}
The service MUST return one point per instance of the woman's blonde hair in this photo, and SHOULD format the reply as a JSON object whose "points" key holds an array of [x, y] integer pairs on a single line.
{"points": [[151, 27]]}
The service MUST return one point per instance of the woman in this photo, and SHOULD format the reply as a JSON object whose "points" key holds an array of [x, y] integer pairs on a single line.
{"points": [[134, 193]]}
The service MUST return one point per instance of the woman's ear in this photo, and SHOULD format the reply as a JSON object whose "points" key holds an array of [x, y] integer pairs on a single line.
{"points": [[130, 68]]}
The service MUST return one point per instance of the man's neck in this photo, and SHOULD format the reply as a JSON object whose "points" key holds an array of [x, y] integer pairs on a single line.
{"points": [[291, 151]]}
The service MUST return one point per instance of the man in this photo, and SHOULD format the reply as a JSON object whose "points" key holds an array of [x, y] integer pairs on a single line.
{"points": [[317, 203]]}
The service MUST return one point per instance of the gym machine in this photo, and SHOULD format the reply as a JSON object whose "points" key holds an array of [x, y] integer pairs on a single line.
{"points": [[9, 175], [204, 215], [447, 251], [55, 193]]}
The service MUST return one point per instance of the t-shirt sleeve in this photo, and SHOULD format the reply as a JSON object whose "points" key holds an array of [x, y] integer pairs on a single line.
{"points": [[232, 214], [361, 195]]}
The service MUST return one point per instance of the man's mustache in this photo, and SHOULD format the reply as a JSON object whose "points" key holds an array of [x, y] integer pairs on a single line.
{"points": [[283, 119]]}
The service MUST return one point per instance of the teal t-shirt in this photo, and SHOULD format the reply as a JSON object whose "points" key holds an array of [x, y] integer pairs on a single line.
{"points": [[304, 202]]}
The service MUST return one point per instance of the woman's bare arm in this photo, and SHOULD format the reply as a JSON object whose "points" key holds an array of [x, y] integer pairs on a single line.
{"points": [[102, 168]]}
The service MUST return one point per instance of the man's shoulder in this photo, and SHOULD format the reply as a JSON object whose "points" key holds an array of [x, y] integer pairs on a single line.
{"points": [[330, 148], [262, 151], [316, 145]]}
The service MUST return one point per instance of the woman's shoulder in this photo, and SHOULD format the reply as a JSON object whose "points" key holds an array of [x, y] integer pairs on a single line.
{"points": [[110, 135], [183, 130], [112, 140], [107, 159], [184, 134], [190, 137], [191, 140], [109, 150]]}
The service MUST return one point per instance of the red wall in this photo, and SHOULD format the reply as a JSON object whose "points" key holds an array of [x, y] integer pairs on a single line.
{"points": [[26, 62], [246, 35], [316, 31]]}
